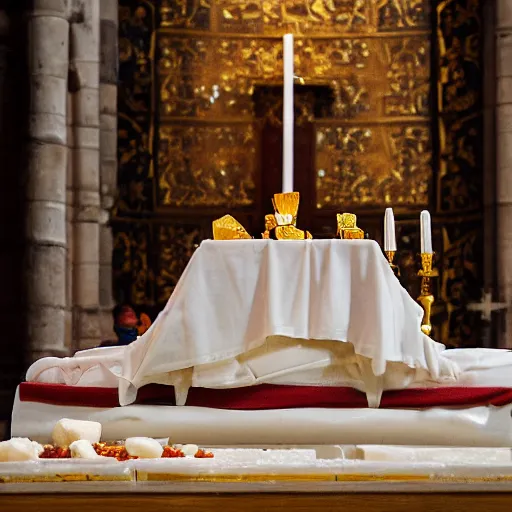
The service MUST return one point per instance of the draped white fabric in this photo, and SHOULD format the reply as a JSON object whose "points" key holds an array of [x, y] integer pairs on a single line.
{"points": [[475, 426], [285, 362], [234, 295]]}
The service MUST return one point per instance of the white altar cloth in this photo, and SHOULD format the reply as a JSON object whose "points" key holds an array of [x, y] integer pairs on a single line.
{"points": [[306, 363], [235, 295], [474, 426]]}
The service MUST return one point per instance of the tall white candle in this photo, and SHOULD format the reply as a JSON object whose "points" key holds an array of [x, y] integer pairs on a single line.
{"points": [[426, 233], [288, 74], [389, 230]]}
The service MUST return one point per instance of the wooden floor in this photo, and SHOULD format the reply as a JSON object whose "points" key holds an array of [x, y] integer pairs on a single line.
{"points": [[258, 502]]}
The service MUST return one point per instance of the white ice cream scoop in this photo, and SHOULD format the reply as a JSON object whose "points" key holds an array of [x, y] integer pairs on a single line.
{"points": [[83, 449], [19, 449], [144, 447], [190, 449], [67, 431]]}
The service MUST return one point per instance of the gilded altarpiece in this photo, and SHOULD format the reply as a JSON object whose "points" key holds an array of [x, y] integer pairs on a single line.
{"points": [[401, 128]]}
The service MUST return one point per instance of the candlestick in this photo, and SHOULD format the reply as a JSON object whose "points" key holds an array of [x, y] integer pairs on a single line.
{"points": [[389, 231], [426, 233], [288, 80], [426, 298], [390, 255]]}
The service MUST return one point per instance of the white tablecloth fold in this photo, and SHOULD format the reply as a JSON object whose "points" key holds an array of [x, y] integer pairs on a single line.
{"points": [[234, 295]]}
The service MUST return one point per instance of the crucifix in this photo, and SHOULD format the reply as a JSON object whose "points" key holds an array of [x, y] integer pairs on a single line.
{"points": [[486, 306]]}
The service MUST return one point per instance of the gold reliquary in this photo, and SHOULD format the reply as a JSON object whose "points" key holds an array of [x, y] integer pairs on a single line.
{"points": [[228, 228], [282, 223], [347, 227], [279, 226]]}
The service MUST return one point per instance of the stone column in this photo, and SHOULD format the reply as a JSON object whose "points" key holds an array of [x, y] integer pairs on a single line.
{"points": [[70, 216], [108, 153], [46, 180], [84, 84], [504, 157]]}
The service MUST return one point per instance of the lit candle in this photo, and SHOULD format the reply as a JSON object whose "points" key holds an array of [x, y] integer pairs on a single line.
{"points": [[426, 233], [389, 230], [288, 113]]}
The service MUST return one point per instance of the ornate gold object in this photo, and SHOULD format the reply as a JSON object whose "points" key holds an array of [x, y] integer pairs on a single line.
{"points": [[390, 255], [283, 221], [426, 298], [347, 227], [228, 228]]}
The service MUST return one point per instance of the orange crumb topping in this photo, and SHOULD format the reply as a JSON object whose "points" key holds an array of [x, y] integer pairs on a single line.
{"points": [[118, 452]]}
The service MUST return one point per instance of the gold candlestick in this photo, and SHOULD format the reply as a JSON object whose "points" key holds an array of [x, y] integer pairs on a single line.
{"points": [[390, 255], [426, 298]]}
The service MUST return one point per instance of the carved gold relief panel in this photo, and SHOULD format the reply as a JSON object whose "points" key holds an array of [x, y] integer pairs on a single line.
{"points": [[373, 165], [177, 243], [137, 26], [460, 156], [376, 82], [132, 263], [301, 16], [460, 165], [460, 54], [213, 78], [206, 166]]}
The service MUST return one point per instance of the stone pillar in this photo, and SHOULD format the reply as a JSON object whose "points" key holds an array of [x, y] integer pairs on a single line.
{"points": [[70, 216], [84, 84], [504, 157], [46, 179], [108, 153]]}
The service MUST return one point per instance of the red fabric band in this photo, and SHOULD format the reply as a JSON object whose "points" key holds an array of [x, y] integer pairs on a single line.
{"points": [[267, 396]]}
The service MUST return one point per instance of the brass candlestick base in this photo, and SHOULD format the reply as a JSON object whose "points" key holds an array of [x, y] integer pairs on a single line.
{"points": [[426, 298], [390, 255]]}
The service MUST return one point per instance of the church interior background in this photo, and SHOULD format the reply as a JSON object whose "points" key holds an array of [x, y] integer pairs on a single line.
{"points": [[403, 103]]}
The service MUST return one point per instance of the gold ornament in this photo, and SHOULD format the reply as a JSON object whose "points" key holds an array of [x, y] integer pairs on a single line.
{"points": [[283, 221], [347, 227], [228, 228]]}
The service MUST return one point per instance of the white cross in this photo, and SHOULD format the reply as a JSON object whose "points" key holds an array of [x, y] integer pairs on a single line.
{"points": [[486, 306]]}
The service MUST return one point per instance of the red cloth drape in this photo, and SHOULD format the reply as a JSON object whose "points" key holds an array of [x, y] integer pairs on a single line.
{"points": [[268, 396]]}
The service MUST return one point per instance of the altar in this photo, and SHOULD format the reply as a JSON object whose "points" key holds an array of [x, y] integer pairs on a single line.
{"points": [[311, 350]]}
